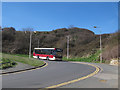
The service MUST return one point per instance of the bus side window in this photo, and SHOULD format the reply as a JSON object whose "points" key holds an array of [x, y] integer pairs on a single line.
{"points": [[42, 52], [51, 52], [38, 51]]}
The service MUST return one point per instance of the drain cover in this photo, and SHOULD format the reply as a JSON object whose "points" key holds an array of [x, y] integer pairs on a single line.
{"points": [[102, 80]]}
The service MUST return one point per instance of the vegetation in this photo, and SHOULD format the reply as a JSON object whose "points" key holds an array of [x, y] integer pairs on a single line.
{"points": [[92, 58], [83, 42], [21, 55], [23, 59], [7, 63]]}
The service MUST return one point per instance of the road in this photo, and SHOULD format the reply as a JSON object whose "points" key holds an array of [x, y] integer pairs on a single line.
{"points": [[107, 78], [55, 72]]}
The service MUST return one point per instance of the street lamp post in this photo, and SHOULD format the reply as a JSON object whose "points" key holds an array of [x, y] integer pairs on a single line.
{"points": [[100, 46], [30, 30], [30, 44], [68, 47]]}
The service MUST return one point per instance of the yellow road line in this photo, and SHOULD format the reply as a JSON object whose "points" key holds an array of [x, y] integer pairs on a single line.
{"points": [[72, 81], [27, 70]]}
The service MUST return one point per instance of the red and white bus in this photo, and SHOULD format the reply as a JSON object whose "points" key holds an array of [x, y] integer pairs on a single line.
{"points": [[48, 53]]}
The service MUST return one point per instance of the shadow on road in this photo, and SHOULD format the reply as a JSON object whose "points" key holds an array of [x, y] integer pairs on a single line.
{"points": [[53, 60]]}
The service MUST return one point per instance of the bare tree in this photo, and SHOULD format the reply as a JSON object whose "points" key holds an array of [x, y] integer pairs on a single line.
{"points": [[70, 26]]}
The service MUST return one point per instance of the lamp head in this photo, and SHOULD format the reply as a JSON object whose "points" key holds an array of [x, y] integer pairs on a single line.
{"points": [[95, 27]]}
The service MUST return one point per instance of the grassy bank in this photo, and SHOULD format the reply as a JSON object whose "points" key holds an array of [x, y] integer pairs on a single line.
{"points": [[23, 59], [92, 58], [6, 63]]}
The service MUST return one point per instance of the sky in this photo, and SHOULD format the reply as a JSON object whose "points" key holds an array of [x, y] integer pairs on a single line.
{"points": [[48, 16]]}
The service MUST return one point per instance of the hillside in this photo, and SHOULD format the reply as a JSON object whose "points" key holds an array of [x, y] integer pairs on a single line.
{"points": [[83, 42]]}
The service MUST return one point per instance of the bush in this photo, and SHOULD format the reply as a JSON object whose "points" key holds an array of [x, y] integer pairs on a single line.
{"points": [[6, 63], [92, 58]]}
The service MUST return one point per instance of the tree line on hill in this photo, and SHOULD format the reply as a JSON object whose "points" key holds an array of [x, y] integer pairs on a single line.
{"points": [[82, 42]]}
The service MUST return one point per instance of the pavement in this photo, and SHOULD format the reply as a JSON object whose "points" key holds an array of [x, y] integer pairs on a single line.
{"points": [[19, 66], [57, 72], [107, 78]]}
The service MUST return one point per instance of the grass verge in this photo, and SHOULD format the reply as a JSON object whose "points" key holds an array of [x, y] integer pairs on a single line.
{"points": [[6, 63], [92, 58], [23, 59]]}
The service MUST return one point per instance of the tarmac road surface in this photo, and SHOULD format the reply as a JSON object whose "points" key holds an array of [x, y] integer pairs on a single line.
{"points": [[55, 72]]}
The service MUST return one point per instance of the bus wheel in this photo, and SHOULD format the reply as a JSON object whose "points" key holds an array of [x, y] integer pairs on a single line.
{"points": [[47, 58], [38, 57]]}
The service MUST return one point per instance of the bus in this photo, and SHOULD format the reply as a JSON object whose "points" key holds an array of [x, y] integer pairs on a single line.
{"points": [[48, 53]]}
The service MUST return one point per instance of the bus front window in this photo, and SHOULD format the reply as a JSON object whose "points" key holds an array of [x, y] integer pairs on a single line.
{"points": [[58, 54]]}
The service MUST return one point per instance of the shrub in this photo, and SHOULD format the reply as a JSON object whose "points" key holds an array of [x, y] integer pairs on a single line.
{"points": [[6, 63]]}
